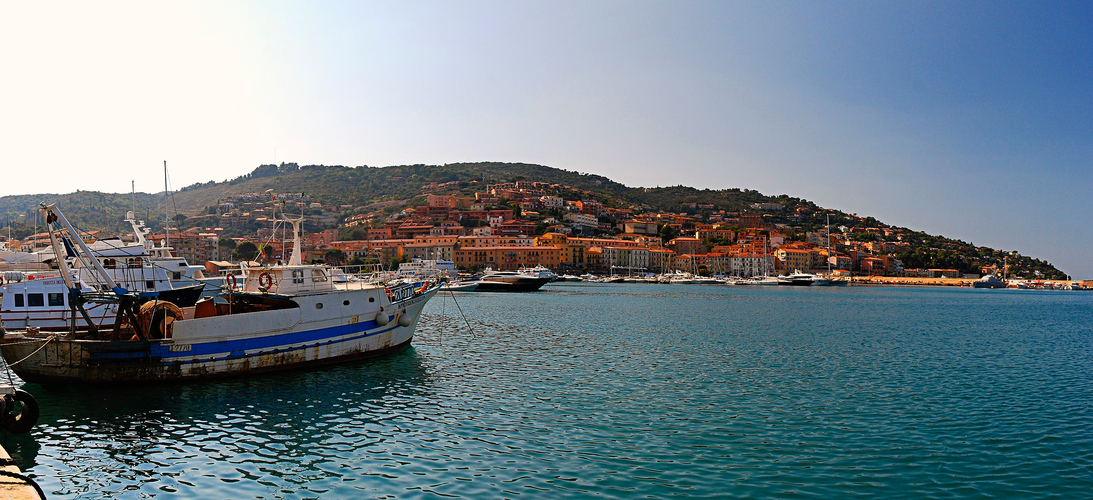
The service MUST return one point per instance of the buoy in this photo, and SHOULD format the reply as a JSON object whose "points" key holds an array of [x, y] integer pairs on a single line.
{"points": [[382, 319], [405, 319]]}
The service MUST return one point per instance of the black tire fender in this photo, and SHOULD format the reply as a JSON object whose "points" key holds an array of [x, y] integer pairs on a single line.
{"points": [[28, 414]]}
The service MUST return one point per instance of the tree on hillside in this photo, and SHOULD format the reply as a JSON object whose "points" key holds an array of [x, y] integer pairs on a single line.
{"points": [[225, 245], [245, 251], [335, 257]]}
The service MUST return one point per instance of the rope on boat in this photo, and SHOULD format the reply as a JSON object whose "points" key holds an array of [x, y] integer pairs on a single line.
{"points": [[33, 341], [48, 340]]}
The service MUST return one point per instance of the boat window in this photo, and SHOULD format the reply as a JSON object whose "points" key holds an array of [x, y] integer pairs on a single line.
{"points": [[317, 276], [134, 263], [19, 300], [56, 299], [35, 300], [108, 263], [345, 302], [176, 276], [149, 285], [319, 305], [371, 299]]}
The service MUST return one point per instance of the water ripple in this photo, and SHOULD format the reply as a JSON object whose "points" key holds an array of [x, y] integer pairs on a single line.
{"points": [[621, 392]]}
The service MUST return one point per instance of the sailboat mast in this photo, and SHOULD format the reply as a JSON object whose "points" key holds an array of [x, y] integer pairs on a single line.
{"points": [[828, 234], [166, 207]]}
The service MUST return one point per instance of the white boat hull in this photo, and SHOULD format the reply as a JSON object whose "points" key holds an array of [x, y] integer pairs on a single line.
{"points": [[346, 326]]}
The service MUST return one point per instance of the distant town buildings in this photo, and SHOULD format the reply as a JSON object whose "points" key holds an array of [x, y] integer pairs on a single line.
{"points": [[527, 223]]}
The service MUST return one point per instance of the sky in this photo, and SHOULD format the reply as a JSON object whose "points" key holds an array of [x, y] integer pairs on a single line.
{"points": [[973, 120]]}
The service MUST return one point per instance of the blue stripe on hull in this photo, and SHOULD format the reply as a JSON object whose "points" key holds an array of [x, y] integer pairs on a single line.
{"points": [[236, 349]]}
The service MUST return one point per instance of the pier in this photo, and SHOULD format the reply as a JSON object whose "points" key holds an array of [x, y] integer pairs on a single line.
{"points": [[13, 488]]}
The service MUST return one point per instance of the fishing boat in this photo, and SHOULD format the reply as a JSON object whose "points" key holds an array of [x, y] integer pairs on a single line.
{"points": [[139, 267], [280, 317]]}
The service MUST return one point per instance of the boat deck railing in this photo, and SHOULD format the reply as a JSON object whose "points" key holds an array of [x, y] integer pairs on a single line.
{"points": [[332, 278]]}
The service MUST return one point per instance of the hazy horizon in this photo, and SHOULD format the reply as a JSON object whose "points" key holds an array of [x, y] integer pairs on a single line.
{"points": [[968, 120]]}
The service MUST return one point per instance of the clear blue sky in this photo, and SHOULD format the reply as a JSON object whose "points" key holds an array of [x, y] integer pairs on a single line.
{"points": [[970, 120]]}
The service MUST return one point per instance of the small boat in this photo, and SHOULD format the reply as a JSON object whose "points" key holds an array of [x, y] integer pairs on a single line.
{"points": [[459, 286], [759, 281], [283, 317], [837, 282]]}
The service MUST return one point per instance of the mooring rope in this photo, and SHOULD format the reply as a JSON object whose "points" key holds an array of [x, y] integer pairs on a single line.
{"points": [[48, 340], [469, 327]]}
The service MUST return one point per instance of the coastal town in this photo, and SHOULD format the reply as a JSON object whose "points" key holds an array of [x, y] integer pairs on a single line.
{"points": [[523, 224]]}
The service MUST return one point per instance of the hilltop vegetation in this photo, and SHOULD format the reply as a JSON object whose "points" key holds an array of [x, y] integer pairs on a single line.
{"points": [[332, 185]]}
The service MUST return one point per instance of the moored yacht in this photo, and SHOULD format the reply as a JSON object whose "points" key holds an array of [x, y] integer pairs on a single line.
{"points": [[510, 281], [797, 279]]}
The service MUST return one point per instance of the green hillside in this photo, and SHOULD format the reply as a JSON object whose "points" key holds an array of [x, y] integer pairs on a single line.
{"points": [[360, 186]]}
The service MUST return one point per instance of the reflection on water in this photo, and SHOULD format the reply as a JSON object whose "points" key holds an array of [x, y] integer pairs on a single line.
{"points": [[623, 391], [250, 438]]}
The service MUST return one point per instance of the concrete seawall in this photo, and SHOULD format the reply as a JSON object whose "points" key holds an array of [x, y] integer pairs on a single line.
{"points": [[13, 488]]}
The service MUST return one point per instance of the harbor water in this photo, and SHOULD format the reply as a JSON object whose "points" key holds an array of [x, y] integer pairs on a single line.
{"points": [[624, 391]]}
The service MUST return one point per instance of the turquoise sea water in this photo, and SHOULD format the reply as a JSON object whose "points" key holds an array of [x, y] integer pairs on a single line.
{"points": [[625, 391]]}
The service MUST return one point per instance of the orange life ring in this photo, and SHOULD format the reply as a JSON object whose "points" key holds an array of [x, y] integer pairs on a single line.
{"points": [[265, 280], [231, 282]]}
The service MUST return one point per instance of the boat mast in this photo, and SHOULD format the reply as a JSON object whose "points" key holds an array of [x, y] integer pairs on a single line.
{"points": [[296, 259], [827, 232], [166, 208]]}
